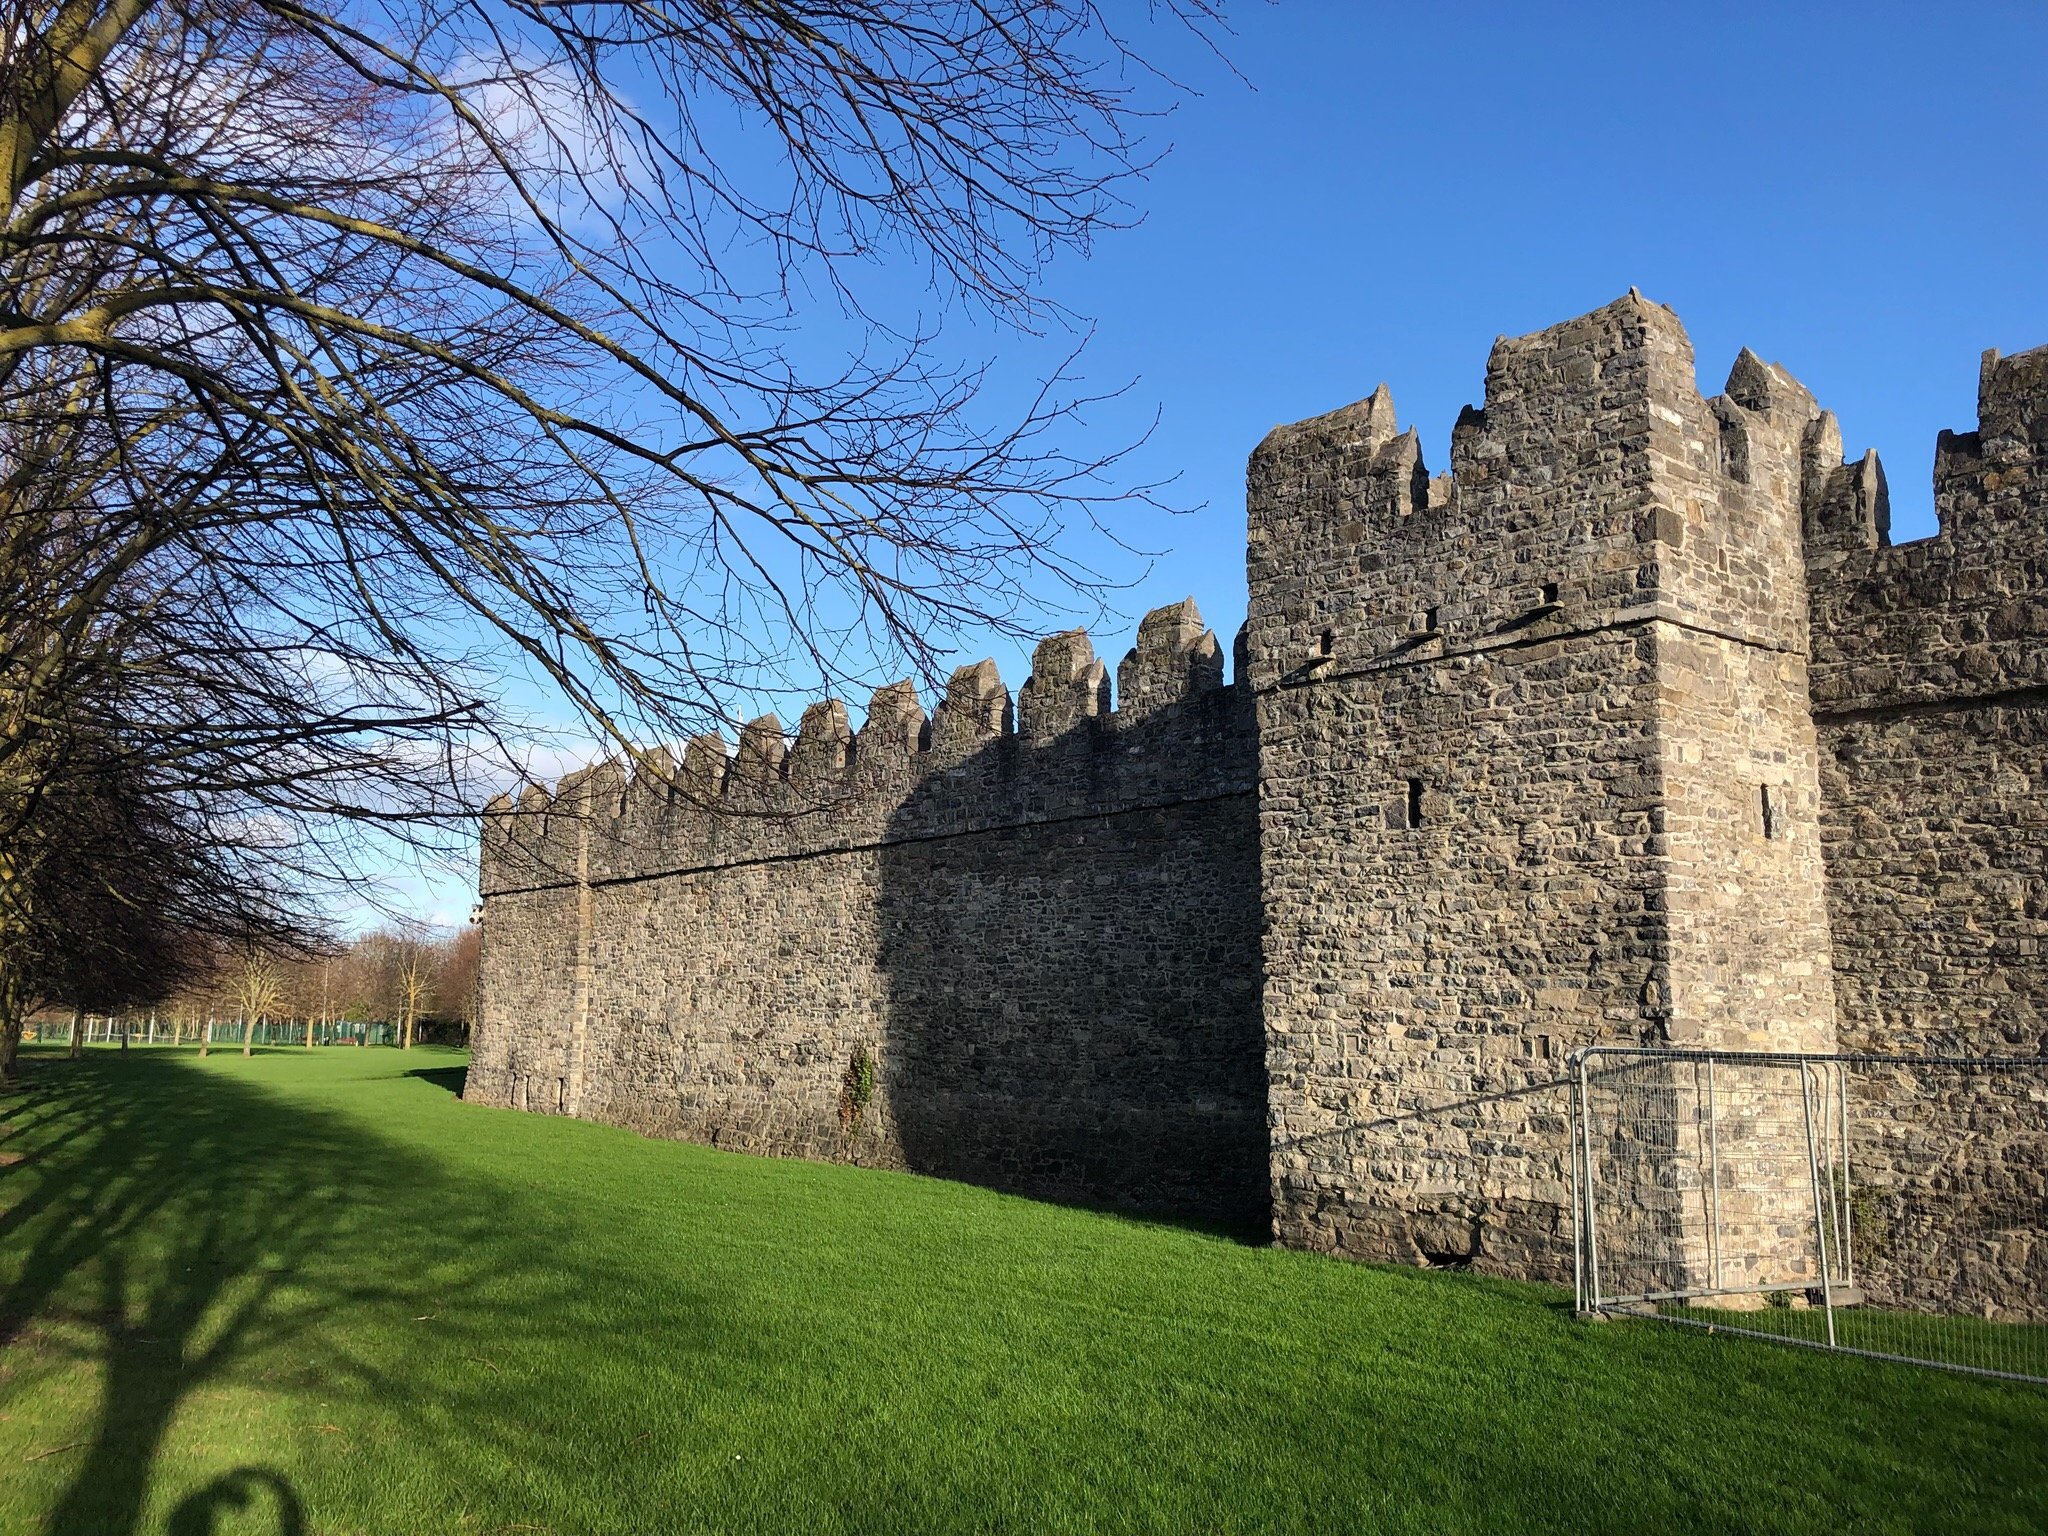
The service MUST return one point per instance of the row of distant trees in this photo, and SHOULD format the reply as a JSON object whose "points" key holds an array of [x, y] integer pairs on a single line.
{"points": [[409, 979]]}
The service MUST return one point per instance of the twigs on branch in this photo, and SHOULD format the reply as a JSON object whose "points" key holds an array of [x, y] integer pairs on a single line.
{"points": [[355, 360]]}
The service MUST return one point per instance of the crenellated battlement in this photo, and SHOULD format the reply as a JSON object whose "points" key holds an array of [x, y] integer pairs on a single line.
{"points": [[1959, 615], [1594, 484], [976, 761], [1988, 482]]}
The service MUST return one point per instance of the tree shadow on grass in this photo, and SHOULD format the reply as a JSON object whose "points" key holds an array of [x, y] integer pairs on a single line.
{"points": [[281, 1307], [179, 1232], [202, 1513]]}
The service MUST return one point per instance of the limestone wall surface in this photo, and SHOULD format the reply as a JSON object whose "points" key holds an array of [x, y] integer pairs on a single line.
{"points": [[1930, 692], [1518, 727], [1930, 689], [1041, 943]]}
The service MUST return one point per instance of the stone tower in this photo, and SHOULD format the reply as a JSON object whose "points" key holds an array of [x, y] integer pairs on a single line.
{"points": [[1536, 771]]}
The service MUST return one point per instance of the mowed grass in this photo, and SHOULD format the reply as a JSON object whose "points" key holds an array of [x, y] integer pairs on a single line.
{"points": [[318, 1293]]}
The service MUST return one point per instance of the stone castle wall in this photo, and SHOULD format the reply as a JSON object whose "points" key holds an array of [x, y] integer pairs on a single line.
{"points": [[1930, 692], [1517, 728], [1042, 941], [1631, 728]]}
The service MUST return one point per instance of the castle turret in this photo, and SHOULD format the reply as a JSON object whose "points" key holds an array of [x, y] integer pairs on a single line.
{"points": [[1536, 772]]}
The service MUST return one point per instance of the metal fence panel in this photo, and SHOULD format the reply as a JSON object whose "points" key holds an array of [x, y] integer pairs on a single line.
{"points": [[1885, 1205]]}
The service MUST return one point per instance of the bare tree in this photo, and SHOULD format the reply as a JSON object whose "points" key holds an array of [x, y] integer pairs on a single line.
{"points": [[258, 989], [415, 988], [353, 359], [111, 904], [455, 987], [208, 991]]}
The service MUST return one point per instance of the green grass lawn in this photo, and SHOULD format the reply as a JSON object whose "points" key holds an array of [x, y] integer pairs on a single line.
{"points": [[320, 1294]]}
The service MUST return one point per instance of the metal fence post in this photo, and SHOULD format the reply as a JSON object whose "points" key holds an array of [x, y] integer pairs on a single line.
{"points": [[1820, 1224], [1592, 1219], [1714, 1171], [1848, 1205], [1578, 1225]]}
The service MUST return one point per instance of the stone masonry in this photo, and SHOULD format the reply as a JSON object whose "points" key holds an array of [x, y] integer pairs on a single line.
{"points": [[1038, 944], [1633, 727]]}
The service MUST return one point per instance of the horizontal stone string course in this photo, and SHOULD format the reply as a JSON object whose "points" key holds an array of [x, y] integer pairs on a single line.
{"points": [[788, 855], [1633, 726]]}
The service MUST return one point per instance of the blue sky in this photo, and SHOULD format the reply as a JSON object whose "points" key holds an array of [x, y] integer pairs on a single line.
{"points": [[1859, 193]]}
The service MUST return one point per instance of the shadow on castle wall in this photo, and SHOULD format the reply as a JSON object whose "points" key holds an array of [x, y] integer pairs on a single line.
{"points": [[1015, 944], [1072, 1006]]}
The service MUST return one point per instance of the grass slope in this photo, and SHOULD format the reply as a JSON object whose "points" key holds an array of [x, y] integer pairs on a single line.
{"points": [[319, 1294]]}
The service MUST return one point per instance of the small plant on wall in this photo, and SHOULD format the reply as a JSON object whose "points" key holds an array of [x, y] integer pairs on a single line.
{"points": [[856, 1089], [1870, 1221]]}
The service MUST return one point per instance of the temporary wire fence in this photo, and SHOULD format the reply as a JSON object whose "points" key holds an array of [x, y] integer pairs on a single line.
{"points": [[97, 1030], [1894, 1206]]}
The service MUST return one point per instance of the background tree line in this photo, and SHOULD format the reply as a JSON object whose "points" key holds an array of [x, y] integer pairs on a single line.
{"points": [[421, 982]]}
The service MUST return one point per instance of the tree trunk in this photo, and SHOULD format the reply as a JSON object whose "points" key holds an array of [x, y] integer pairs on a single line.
{"points": [[206, 1037], [77, 1033], [248, 1036], [124, 1035], [11, 989], [309, 1031]]}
